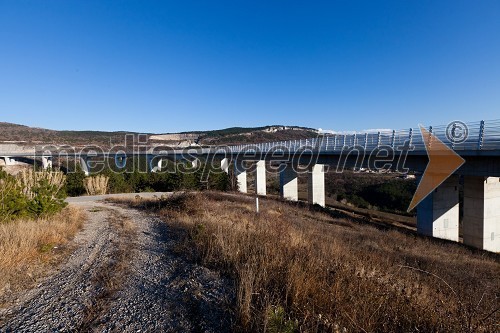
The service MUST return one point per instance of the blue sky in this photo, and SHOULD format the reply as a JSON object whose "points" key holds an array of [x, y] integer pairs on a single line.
{"points": [[167, 66]]}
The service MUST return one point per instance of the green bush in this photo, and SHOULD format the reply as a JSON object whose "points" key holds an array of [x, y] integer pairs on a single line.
{"points": [[31, 194], [278, 321], [74, 182], [219, 181], [117, 182], [47, 199], [192, 181], [13, 203]]}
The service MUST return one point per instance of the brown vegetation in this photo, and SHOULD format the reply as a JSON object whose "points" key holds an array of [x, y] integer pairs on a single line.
{"points": [[302, 270], [96, 185], [28, 246], [28, 180]]}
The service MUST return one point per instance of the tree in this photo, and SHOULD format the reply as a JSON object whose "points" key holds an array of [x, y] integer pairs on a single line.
{"points": [[74, 182]]}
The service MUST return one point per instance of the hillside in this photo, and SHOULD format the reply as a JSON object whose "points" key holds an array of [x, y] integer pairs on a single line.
{"points": [[235, 135], [34, 135]]}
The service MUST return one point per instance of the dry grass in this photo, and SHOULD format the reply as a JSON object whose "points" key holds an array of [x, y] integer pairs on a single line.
{"points": [[28, 246], [96, 185], [28, 179], [301, 270]]}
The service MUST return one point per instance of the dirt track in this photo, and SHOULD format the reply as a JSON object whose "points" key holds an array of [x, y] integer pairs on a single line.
{"points": [[124, 276]]}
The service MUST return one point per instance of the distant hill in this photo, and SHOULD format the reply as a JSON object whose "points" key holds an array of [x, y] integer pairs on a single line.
{"points": [[34, 135], [24, 135]]}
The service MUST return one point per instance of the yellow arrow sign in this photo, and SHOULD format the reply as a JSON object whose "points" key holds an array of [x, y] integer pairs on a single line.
{"points": [[443, 162]]}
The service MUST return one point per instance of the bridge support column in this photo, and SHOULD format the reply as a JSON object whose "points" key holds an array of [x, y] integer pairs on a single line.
{"points": [[9, 161], [481, 223], [316, 185], [260, 178], [47, 162], [240, 173], [224, 165], [151, 166], [85, 166], [437, 214], [289, 183]]}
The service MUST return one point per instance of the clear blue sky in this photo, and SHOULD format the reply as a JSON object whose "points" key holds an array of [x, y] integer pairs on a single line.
{"points": [[167, 66]]}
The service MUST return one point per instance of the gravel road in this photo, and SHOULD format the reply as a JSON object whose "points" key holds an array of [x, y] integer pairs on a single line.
{"points": [[123, 276]]}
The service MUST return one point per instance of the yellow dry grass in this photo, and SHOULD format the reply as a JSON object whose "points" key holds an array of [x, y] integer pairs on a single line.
{"points": [[28, 179], [28, 246], [96, 185], [301, 270]]}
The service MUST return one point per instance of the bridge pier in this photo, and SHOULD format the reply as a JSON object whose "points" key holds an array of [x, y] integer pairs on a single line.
{"points": [[481, 222], [316, 185], [9, 161], [289, 183], [151, 166], [47, 162], [84, 164], [438, 213], [240, 173], [260, 178], [224, 165]]}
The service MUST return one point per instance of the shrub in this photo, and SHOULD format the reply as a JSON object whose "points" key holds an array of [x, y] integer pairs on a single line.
{"points": [[192, 181], [117, 183], [31, 180], [31, 193], [74, 182], [278, 323], [12, 201], [219, 181], [43, 190]]}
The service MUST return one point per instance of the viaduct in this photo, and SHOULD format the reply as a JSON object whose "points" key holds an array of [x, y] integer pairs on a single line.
{"points": [[402, 151]]}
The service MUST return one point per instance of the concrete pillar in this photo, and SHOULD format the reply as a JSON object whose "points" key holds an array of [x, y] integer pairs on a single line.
{"points": [[224, 165], [289, 183], [316, 185], [47, 162], [260, 178], [9, 161], [481, 221], [437, 214], [240, 173], [151, 166], [84, 165]]}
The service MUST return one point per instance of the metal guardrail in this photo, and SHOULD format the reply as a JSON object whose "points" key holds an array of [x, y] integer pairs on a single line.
{"points": [[472, 136]]}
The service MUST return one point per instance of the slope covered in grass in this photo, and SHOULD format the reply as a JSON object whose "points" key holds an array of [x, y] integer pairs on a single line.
{"points": [[301, 270]]}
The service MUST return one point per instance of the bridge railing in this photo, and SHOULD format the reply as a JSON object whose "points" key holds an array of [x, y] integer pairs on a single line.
{"points": [[479, 135], [491, 137]]}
